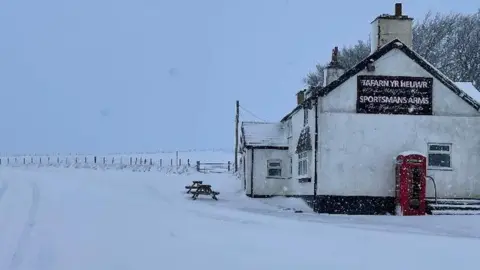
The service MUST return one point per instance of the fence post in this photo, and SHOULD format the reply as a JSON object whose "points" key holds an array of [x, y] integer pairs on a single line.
{"points": [[188, 162], [171, 162], [198, 165], [24, 161], [151, 162], [31, 160], [176, 158], [131, 161], [95, 160], [229, 165]]}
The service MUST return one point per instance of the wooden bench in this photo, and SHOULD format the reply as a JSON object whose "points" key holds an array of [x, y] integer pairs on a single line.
{"points": [[194, 186], [205, 190]]}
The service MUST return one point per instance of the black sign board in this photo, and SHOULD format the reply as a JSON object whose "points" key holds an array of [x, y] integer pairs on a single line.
{"points": [[394, 95]]}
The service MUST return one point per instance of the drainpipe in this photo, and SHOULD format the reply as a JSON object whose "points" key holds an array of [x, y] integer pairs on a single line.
{"points": [[315, 173], [252, 173]]}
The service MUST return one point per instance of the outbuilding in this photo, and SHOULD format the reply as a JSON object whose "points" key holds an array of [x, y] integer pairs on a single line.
{"points": [[337, 148], [263, 160]]}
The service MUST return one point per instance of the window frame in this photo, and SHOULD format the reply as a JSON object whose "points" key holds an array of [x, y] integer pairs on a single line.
{"points": [[303, 164], [449, 153], [305, 116], [270, 167]]}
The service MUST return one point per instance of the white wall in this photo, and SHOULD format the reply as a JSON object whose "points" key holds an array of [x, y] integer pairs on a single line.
{"points": [[241, 173], [390, 30], [297, 188], [396, 63], [248, 168], [263, 185], [357, 150]]}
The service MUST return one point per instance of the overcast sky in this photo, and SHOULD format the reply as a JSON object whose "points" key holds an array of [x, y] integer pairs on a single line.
{"points": [[141, 75]]}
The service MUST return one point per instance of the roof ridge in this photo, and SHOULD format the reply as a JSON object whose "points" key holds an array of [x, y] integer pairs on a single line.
{"points": [[260, 122]]}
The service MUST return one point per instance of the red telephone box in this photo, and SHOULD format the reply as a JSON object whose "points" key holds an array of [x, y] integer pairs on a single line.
{"points": [[410, 178]]}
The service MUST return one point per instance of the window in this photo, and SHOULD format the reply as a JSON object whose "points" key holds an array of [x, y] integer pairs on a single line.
{"points": [[291, 166], [303, 163], [274, 168], [439, 156], [289, 129], [305, 116]]}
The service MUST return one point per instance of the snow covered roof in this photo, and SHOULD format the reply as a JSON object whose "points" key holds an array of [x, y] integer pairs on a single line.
{"points": [[461, 90], [263, 134], [469, 89]]}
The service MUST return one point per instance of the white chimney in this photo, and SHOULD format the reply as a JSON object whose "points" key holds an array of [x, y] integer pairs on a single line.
{"points": [[334, 70], [386, 28]]}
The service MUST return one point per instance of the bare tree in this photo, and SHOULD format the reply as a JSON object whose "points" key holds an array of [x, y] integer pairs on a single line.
{"points": [[348, 57], [315, 78], [450, 42]]}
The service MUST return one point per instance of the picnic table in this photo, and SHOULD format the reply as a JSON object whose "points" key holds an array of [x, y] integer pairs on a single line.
{"points": [[194, 186], [204, 190]]}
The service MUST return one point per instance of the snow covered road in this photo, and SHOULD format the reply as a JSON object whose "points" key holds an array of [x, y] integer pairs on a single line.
{"points": [[85, 219]]}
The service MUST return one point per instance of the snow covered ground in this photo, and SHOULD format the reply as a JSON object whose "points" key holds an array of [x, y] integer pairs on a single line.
{"points": [[56, 218]]}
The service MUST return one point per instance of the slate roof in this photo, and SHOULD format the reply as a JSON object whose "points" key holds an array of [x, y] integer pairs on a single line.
{"points": [[263, 134], [394, 44]]}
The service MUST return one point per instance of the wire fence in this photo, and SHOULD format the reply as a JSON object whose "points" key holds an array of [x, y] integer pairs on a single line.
{"points": [[177, 165]]}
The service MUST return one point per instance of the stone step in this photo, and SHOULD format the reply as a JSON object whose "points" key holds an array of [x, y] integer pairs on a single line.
{"points": [[454, 201], [455, 212], [459, 207]]}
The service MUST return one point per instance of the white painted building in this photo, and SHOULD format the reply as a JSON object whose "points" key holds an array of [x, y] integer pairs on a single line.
{"points": [[336, 148], [263, 166]]}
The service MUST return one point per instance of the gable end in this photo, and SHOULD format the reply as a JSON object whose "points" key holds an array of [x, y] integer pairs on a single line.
{"points": [[394, 44]]}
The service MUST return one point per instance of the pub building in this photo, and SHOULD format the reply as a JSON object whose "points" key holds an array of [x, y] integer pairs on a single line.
{"points": [[392, 135]]}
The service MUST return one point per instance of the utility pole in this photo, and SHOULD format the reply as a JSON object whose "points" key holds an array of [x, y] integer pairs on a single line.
{"points": [[237, 119]]}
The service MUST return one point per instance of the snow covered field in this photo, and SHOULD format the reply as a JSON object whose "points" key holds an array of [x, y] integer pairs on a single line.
{"points": [[57, 218]]}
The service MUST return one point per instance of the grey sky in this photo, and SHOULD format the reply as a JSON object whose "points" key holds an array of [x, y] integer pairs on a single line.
{"points": [[141, 75]]}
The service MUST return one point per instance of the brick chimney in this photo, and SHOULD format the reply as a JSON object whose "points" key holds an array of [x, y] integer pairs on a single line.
{"points": [[386, 28], [333, 70]]}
